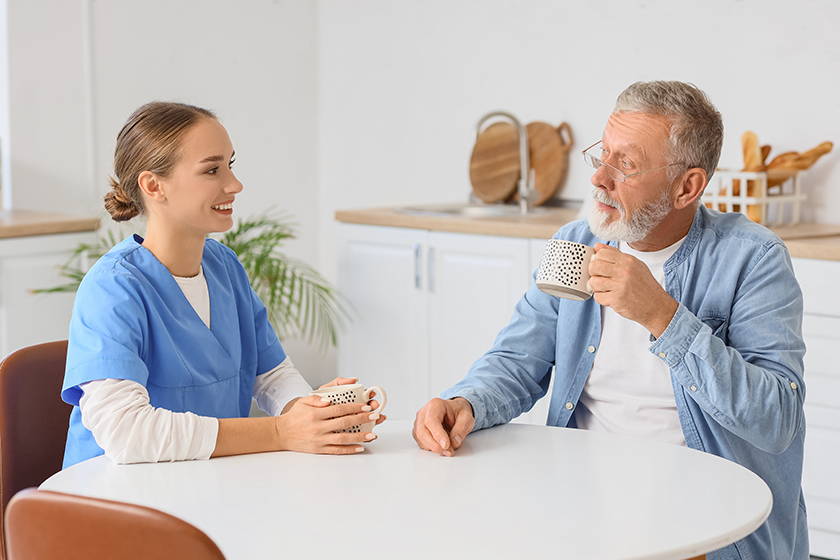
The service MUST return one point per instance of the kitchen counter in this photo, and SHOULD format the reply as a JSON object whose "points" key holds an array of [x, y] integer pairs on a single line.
{"points": [[542, 224], [25, 223], [809, 241]]}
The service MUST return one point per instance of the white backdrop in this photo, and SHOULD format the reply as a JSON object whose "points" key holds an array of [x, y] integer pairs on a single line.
{"points": [[401, 84], [336, 104]]}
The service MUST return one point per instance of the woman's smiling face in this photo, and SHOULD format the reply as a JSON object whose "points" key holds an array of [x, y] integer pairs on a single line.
{"points": [[201, 188]]}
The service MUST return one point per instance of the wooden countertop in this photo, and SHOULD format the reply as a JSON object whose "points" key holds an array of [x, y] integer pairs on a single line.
{"points": [[542, 224], [809, 241], [23, 223], [821, 248]]}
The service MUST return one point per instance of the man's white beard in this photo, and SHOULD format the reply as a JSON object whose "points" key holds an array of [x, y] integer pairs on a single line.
{"points": [[632, 229]]}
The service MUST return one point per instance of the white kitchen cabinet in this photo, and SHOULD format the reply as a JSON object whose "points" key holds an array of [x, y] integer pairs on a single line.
{"points": [[473, 283], [28, 263], [381, 273], [821, 327], [427, 304]]}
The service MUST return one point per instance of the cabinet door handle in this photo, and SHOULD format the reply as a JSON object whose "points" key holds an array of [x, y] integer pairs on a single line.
{"points": [[431, 270], [417, 266]]}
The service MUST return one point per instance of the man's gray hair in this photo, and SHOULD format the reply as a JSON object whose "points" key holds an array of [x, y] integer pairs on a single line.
{"points": [[696, 125]]}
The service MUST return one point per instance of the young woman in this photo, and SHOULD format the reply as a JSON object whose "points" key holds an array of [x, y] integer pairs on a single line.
{"points": [[168, 343]]}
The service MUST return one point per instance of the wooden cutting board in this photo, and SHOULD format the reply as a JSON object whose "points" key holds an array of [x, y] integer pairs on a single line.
{"points": [[494, 164], [549, 154]]}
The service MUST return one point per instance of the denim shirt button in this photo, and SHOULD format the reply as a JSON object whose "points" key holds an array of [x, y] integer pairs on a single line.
{"points": [[569, 406], [793, 385], [663, 355], [693, 388], [591, 349]]}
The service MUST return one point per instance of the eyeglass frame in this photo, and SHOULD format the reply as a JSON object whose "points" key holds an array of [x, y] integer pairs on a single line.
{"points": [[624, 176]]}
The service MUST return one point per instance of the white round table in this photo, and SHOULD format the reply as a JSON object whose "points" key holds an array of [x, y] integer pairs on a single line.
{"points": [[513, 491]]}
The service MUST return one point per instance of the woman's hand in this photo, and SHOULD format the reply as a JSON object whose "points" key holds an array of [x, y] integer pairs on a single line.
{"points": [[340, 381], [349, 381], [311, 422], [307, 424]]}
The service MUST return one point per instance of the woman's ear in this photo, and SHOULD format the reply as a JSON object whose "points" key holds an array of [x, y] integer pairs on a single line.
{"points": [[690, 188], [151, 186]]}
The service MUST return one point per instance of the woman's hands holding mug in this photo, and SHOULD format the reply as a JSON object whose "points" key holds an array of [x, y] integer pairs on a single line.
{"points": [[313, 425]]}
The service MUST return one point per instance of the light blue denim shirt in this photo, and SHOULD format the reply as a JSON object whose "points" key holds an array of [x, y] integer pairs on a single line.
{"points": [[734, 349]]}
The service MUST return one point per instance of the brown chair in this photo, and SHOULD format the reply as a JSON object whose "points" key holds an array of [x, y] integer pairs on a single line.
{"points": [[33, 419], [44, 525]]}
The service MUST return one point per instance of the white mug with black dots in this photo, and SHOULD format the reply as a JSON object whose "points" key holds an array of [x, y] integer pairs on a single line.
{"points": [[564, 270], [354, 393]]}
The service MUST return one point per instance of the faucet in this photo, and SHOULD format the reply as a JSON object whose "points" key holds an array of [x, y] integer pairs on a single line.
{"points": [[526, 174]]}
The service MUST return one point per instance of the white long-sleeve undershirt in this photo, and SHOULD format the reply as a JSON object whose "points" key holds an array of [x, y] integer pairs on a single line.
{"points": [[130, 430]]}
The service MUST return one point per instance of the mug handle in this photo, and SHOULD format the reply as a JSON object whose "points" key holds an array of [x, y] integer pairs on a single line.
{"points": [[382, 394]]}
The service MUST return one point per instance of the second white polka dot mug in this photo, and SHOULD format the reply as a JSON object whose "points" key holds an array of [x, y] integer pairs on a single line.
{"points": [[564, 270]]}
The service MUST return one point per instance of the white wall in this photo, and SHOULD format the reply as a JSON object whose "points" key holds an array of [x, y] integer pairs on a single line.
{"points": [[48, 132], [337, 104], [403, 83], [78, 68], [251, 62], [5, 152]]}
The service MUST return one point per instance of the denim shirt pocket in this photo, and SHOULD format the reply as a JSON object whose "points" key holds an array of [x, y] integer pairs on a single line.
{"points": [[718, 322]]}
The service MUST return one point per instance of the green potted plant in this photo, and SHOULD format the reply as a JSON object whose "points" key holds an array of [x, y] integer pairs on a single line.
{"points": [[299, 300]]}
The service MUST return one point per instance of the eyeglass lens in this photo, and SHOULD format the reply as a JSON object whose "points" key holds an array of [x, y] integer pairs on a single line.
{"points": [[595, 162]]}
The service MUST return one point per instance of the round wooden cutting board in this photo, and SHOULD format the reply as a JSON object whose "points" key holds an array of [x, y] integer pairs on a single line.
{"points": [[549, 153], [494, 164]]}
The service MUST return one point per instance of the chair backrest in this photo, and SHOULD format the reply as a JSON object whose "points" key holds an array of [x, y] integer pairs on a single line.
{"points": [[44, 525], [33, 419]]}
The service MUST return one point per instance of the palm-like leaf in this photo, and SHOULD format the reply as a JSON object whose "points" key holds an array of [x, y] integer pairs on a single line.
{"points": [[299, 300], [80, 260]]}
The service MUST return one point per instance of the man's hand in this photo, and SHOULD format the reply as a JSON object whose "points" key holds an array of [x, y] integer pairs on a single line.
{"points": [[441, 426], [625, 284]]}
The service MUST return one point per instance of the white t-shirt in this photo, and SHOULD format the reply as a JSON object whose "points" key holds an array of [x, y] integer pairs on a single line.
{"points": [[629, 389]]}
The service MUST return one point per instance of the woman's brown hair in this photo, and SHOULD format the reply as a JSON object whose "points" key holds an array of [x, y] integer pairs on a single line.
{"points": [[149, 141]]}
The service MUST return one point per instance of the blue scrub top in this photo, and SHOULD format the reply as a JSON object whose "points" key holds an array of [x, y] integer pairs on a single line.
{"points": [[132, 321]]}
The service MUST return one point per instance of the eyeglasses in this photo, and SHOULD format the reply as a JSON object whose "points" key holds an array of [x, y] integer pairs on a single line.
{"points": [[617, 174]]}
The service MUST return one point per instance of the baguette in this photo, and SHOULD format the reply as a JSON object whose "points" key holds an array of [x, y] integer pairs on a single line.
{"points": [[783, 161], [765, 151], [753, 159], [807, 159], [797, 161], [754, 156]]}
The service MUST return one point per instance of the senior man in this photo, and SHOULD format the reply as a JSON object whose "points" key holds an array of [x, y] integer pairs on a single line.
{"points": [[693, 335]]}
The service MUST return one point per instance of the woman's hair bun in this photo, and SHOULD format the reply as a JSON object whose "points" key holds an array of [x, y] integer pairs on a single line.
{"points": [[150, 140], [118, 204]]}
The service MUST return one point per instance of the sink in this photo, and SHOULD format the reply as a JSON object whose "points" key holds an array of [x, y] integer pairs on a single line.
{"points": [[466, 210], [478, 210]]}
